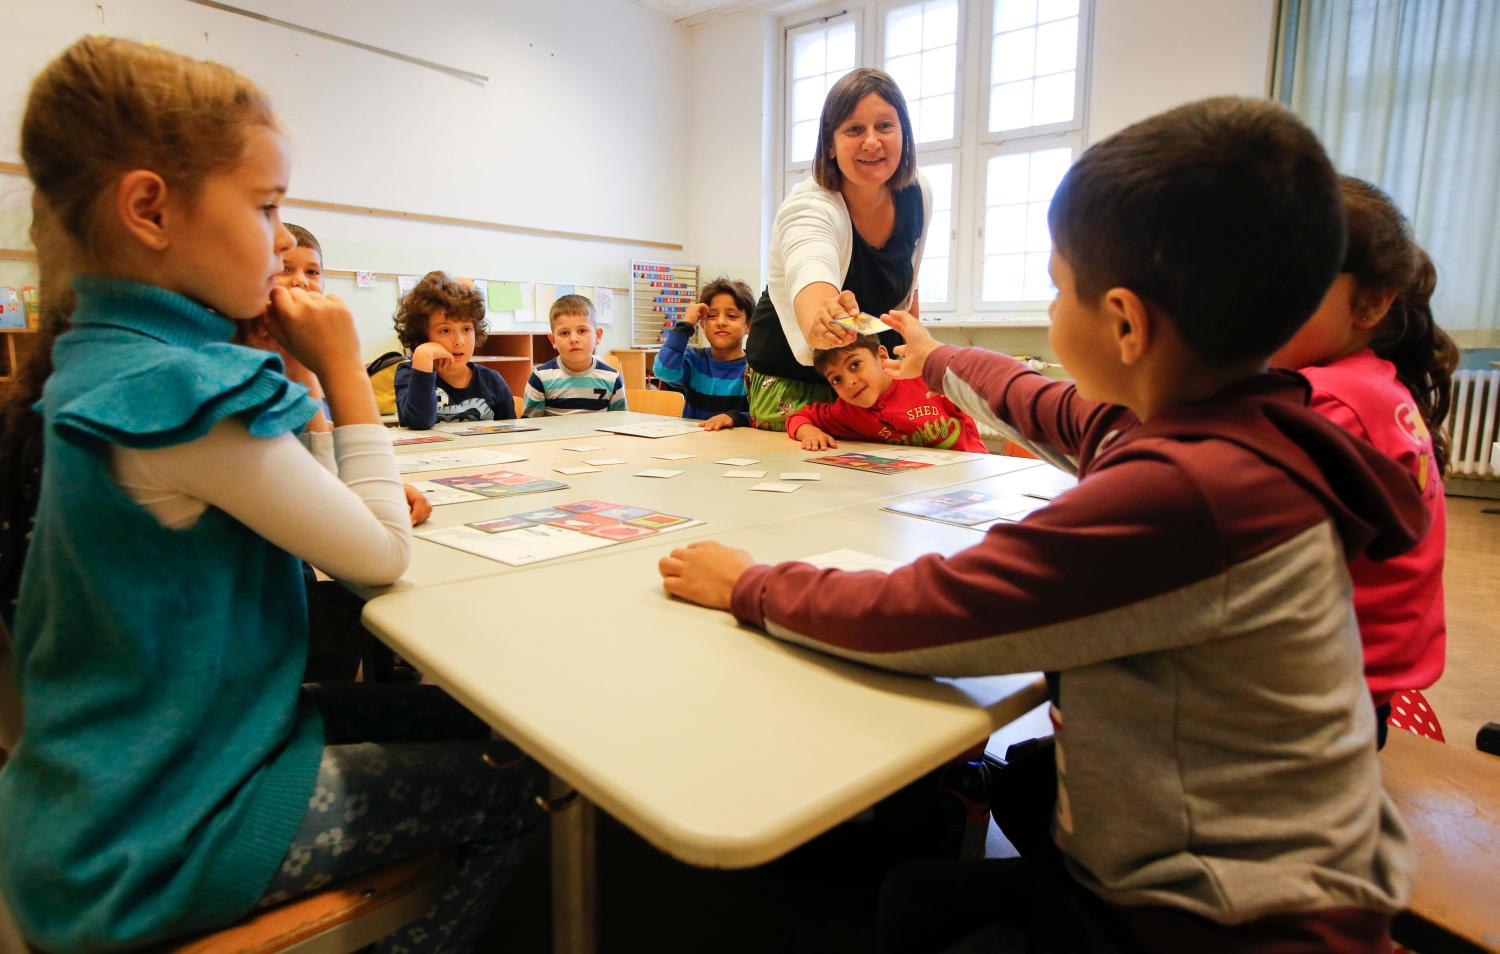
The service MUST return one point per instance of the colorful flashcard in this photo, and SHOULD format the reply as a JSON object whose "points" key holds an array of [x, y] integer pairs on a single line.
{"points": [[502, 427], [418, 439], [500, 483], [869, 463], [438, 495], [546, 534], [864, 323], [969, 508], [454, 459], [670, 427]]}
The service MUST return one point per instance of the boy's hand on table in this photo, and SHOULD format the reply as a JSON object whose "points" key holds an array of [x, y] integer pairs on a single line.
{"points": [[420, 508], [719, 422], [695, 313], [814, 438], [430, 356], [919, 344], [704, 572]]}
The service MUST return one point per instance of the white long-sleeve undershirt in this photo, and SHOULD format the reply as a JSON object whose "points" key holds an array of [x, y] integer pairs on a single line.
{"points": [[344, 512]]}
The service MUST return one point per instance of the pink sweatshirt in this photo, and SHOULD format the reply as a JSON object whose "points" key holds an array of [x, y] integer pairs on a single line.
{"points": [[1399, 602], [907, 413]]}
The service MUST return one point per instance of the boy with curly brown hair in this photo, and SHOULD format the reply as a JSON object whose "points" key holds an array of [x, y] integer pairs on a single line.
{"points": [[441, 321]]}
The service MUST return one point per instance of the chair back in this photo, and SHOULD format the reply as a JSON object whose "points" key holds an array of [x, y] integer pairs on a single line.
{"points": [[647, 401], [10, 696]]}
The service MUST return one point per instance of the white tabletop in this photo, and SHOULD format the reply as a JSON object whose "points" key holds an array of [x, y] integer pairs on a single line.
{"points": [[720, 745]]}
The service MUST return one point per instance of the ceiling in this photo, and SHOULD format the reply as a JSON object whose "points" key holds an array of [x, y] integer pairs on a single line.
{"points": [[690, 13]]}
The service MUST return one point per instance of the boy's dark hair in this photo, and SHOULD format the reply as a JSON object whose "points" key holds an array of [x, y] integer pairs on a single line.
{"points": [[305, 239], [437, 292], [823, 357], [744, 298], [1224, 214], [1383, 259], [842, 98], [573, 305]]}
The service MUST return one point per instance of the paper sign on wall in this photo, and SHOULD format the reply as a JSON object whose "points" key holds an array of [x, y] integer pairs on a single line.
{"points": [[545, 294], [505, 296], [526, 311], [405, 283], [604, 304], [364, 279]]}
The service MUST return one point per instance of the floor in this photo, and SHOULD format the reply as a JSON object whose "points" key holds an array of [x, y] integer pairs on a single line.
{"points": [[822, 897]]}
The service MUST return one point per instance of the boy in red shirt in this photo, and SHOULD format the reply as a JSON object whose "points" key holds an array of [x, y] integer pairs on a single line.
{"points": [[875, 406]]}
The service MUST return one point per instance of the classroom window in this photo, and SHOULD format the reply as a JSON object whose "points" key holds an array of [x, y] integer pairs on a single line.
{"points": [[817, 55], [995, 89]]}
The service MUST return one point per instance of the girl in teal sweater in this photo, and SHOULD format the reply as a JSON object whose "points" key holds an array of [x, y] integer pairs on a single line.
{"points": [[173, 775]]}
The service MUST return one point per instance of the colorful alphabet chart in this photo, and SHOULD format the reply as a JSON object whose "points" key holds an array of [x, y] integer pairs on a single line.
{"points": [[534, 536], [660, 292]]}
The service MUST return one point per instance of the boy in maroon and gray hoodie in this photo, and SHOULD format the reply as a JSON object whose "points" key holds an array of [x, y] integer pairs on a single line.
{"points": [[1217, 778]]}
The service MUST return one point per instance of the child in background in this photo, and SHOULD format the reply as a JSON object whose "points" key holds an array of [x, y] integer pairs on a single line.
{"points": [[712, 379], [173, 775], [1380, 368], [574, 382], [441, 321], [1217, 783], [874, 406]]}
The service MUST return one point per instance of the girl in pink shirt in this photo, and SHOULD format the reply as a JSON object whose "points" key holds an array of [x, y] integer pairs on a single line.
{"points": [[1380, 368]]}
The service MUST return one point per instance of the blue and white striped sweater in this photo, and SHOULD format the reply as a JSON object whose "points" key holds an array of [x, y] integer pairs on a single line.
{"points": [[709, 386], [553, 390]]}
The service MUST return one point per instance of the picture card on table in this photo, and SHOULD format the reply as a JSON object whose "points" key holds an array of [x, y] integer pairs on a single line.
{"points": [[672, 456], [776, 487], [397, 441], [659, 472], [500, 427], [454, 459], [500, 483], [742, 472], [581, 448], [534, 536], [437, 494], [672, 427], [738, 461], [577, 470], [602, 461]]}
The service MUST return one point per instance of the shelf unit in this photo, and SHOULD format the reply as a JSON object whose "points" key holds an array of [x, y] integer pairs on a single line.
{"points": [[512, 355]]}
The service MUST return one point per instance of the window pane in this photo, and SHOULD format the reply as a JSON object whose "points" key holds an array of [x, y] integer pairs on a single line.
{"points": [[841, 48], [1013, 56], [937, 119], [804, 140], [940, 178], [940, 71], [903, 31], [1054, 99], [808, 54], [1004, 277], [932, 283], [1037, 283], [1007, 179], [907, 72], [1038, 236], [807, 98], [1010, 14], [1010, 106], [1046, 171], [1055, 9], [1004, 229], [940, 24], [1057, 46]]}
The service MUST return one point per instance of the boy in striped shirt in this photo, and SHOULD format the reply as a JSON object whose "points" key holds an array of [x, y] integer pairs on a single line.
{"points": [[574, 382], [712, 379]]}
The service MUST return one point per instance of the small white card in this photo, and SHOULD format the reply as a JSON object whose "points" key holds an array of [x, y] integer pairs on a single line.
{"points": [[657, 473], [672, 456], [753, 474], [582, 447], [800, 475], [848, 560], [775, 487], [602, 461], [576, 470], [738, 461]]}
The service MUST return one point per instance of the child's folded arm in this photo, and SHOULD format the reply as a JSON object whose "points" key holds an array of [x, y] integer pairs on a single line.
{"points": [[1044, 415], [416, 397], [1129, 562], [822, 415]]}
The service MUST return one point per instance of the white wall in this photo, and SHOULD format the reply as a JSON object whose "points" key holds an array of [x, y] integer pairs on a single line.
{"points": [[566, 135], [1147, 55]]}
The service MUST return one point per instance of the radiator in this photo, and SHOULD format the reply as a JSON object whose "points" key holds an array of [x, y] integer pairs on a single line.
{"points": [[1474, 424]]}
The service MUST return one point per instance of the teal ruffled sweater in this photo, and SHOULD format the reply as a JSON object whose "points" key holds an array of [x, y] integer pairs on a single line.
{"points": [[168, 756]]}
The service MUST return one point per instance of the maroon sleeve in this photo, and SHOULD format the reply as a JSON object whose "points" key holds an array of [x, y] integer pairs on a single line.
{"points": [[1027, 596]]}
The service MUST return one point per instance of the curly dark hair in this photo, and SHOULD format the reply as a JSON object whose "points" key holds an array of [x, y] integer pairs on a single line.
{"points": [[437, 291]]}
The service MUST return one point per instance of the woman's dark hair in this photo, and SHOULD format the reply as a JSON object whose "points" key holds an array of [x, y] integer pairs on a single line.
{"points": [[1383, 259], [842, 98], [437, 292]]}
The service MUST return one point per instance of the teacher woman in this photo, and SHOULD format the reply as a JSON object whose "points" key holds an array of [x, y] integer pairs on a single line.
{"points": [[849, 239]]}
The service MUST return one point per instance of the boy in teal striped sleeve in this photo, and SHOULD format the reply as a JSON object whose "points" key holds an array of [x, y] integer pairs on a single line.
{"points": [[574, 382], [712, 379]]}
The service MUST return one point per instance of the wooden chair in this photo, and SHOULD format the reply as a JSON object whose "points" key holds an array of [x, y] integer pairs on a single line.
{"points": [[520, 403], [1449, 797], [665, 403]]}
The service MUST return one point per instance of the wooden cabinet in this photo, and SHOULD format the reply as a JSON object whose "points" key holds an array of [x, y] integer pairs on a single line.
{"points": [[512, 355]]}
